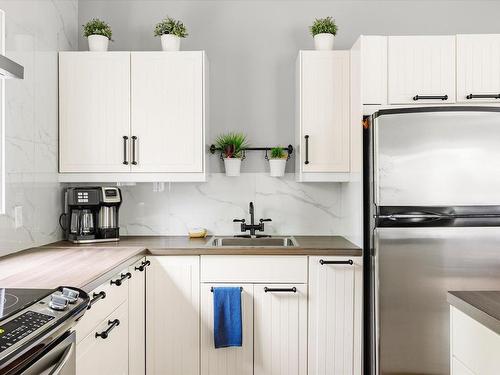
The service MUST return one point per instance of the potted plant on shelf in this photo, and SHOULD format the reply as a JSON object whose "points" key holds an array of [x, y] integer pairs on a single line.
{"points": [[170, 31], [277, 162], [324, 31], [98, 34], [232, 146]]}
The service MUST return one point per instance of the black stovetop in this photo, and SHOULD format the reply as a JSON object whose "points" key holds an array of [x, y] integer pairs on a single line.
{"points": [[14, 300]]}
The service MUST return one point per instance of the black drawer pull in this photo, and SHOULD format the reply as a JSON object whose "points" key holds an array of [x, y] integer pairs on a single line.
{"points": [[143, 266], [349, 262], [280, 290], [96, 297], [119, 281], [307, 149], [430, 97], [483, 96], [104, 334], [212, 289], [125, 143], [134, 157]]}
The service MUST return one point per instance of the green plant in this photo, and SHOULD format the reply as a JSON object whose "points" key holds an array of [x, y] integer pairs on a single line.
{"points": [[170, 26], [97, 27], [278, 153], [232, 144], [324, 25]]}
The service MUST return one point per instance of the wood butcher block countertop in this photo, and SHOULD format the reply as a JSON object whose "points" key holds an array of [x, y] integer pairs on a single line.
{"points": [[482, 306], [88, 265]]}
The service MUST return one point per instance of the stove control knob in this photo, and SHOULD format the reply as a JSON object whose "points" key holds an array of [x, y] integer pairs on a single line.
{"points": [[58, 302], [70, 294]]}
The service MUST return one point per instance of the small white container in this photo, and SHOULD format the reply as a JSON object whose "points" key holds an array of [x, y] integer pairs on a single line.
{"points": [[98, 43], [277, 167], [323, 41], [170, 42], [233, 166]]}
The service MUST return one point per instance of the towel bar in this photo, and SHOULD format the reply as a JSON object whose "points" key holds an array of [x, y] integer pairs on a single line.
{"points": [[212, 289]]}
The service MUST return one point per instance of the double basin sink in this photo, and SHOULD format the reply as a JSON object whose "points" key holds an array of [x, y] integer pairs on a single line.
{"points": [[252, 242]]}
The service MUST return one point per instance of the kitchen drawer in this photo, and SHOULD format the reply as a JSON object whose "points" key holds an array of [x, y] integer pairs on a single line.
{"points": [[253, 269], [98, 355], [115, 296]]}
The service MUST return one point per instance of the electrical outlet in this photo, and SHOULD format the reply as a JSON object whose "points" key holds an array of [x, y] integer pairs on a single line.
{"points": [[18, 216]]}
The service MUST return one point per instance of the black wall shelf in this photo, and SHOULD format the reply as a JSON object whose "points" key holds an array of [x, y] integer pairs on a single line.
{"points": [[288, 149]]}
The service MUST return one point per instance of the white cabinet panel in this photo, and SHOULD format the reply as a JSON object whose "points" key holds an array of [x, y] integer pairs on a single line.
{"points": [[167, 111], [324, 111], [98, 356], [233, 360], [334, 316], [172, 316], [137, 318], [280, 326], [458, 368], [423, 66], [373, 51], [478, 68], [94, 111]]}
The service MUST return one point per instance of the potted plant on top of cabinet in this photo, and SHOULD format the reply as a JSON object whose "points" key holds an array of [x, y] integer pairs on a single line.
{"points": [[324, 31], [277, 162], [170, 31], [98, 34], [232, 146]]}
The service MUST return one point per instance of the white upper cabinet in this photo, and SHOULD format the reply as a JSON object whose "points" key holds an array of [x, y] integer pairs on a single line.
{"points": [[323, 128], [421, 69], [167, 111], [94, 111], [478, 68]]}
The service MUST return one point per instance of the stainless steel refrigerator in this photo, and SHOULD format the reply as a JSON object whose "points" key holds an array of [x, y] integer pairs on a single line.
{"points": [[432, 208]]}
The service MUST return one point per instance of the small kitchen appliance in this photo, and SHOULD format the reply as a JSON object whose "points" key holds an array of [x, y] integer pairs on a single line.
{"points": [[36, 334], [92, 214]]}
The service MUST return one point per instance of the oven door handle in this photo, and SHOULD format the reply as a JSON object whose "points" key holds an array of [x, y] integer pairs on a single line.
{"points": [[59, 366]]}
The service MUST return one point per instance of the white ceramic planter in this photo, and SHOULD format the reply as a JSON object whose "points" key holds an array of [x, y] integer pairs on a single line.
{"points": [[233, 166], [170, 42], [277, 167], [98, 43], [323, 41]]}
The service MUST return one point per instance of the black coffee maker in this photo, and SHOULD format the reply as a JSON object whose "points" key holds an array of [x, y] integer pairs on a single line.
{"points": [[91, 214]]}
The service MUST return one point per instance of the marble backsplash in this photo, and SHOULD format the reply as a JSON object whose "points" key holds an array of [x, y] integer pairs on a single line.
{"points": [[35, 31], [295, 208]]}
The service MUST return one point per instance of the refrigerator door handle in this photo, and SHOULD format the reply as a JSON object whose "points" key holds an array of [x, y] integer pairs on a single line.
{"points": [[396, 217]]}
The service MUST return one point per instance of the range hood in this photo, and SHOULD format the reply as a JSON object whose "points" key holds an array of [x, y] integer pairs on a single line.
{"points": [[10, 69]]}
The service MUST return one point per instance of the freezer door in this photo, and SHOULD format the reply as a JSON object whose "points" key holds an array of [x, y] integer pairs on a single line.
{"points": [[439, 157], [414, 269]]}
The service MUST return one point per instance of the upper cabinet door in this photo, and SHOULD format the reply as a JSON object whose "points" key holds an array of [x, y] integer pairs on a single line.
{"points": [[167, 111], [421, 69], [94, 111], [280, 329], [478, 68], [324, 111]]}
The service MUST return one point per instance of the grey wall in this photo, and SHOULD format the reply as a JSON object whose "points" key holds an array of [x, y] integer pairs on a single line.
{"points": [[252, 46]]}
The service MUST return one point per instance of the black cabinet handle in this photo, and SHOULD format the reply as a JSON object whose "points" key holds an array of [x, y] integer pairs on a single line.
{"points": [[104, 334], [119, 281], [143, 266], [125, 144], [265, 220], [280, 290], [430, 97], [483, 96], [307, 149], [96, 297], [349, 262], [134, 158]]}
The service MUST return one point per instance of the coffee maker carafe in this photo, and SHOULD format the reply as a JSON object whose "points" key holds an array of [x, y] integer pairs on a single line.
{"points": [[92, 213]]}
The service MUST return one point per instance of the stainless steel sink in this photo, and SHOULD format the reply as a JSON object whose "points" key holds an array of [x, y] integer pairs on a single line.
{"points": [[252, 242]]}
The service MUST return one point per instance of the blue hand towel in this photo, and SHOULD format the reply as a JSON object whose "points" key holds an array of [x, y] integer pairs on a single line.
{"points": [[227, 317]]}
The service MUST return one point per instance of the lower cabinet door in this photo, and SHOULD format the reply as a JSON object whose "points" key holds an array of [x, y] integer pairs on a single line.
{"points": [[335, 285], [173, 315], [137, 318], [280, 329], [106, 354], [232, 360]]}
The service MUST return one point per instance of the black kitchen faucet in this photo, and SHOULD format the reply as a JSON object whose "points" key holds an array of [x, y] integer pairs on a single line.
{"points": [[252, 227]]}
